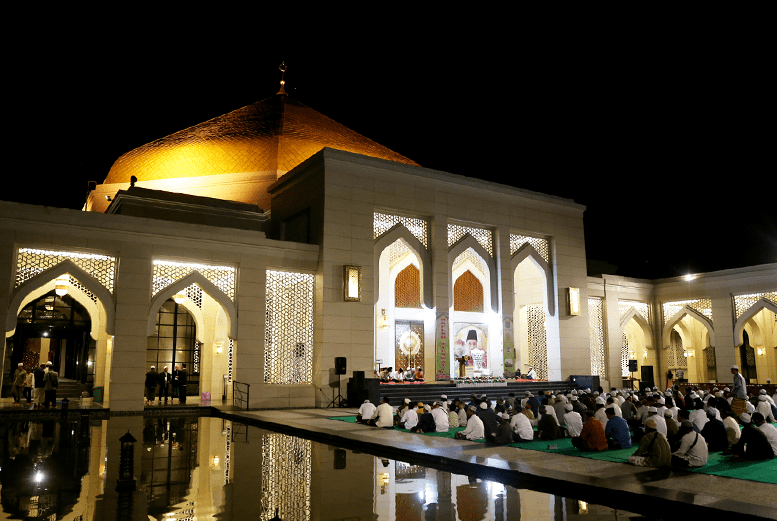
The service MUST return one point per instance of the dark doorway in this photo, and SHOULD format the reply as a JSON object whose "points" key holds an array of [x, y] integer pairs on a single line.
{"points": [[176, 343], [57, 329]]}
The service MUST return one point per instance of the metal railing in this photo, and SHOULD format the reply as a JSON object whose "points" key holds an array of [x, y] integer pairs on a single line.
{"points": [[240, 394]]}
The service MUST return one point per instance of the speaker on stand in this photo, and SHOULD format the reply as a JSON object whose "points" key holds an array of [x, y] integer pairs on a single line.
{"points": [[338, 401]]}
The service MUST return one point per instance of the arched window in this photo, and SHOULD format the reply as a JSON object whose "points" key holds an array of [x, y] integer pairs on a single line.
{"points": [[468, 293], [407, 288]]}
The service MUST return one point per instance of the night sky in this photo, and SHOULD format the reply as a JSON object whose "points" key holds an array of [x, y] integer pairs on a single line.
{"points": [[671, 152]]}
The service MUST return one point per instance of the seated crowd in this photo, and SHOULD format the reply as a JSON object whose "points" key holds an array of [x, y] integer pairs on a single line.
{"points": [[667, 429]]}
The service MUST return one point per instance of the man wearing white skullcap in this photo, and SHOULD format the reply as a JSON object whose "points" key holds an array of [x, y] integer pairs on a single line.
{"points": [[739, 389]]}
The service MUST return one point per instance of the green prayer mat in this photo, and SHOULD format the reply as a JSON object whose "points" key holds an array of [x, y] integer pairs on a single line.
{"points": [[717, 463]]}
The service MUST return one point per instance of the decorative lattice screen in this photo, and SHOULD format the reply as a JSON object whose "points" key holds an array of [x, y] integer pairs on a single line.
{"points": [[674, 352], [744, 302], [542, 246], [596, 337], [288, 351], [538, 343], [286, 476], [468, 293], [702, 306], [167, 272], [407, 288], [641, 308], [625, 357], [383, 222], [482, 235], [30, 262]]}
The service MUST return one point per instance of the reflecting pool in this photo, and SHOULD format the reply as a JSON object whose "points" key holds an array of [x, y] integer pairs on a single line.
{"points": [[184, 468]]}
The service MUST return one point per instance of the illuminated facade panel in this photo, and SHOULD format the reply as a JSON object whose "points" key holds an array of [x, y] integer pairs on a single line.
{"points": [[384, 222], [31, 261], [288, 350], [167, 272], [542, 246], [482, 235]]}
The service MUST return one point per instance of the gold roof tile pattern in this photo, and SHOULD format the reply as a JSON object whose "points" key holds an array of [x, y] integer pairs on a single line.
{"points": [[275, 134]]}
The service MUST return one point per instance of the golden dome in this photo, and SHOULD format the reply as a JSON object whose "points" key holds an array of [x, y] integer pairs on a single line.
{"points": [[275, 134]]}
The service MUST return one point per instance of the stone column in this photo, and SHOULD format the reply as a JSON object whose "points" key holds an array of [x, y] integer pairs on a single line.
{"points": [[506, 297], [438, 244], [133, 294], [725, 344], [7, 262]]}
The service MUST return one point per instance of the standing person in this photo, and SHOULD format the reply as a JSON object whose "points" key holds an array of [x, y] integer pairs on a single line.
{"points": [[30, 380], [164, 383], [18, 383], [738, 392], [152, 380], [183, 379], [176, 384], [38, 376], [50, 384]]}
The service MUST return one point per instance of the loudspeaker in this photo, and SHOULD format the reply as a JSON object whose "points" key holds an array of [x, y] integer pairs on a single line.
{"points": [[340, 365], [647, 376], [358, 377], [632, 366]]}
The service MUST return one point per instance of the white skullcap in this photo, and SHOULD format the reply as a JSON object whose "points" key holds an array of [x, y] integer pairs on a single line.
{"points": [[667, 413], [763, 391], [735, 366], [745, 417], [652, 409], [483, 405], [568, 407], [366, 401], [600, 400]]}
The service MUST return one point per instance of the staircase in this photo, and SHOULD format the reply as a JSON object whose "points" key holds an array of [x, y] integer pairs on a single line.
{"points": [[70, 389], [428, 393]]}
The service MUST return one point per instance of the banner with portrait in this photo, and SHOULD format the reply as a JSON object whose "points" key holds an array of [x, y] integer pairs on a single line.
{"points": [[470, 341]]}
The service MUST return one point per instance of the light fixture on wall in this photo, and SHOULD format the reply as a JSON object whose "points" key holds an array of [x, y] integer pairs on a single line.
{"points": [[352, 290], [179, 298], [62, 285], [573, 301], [218, 349], [383, 320], [644, 355], [761, 351]]}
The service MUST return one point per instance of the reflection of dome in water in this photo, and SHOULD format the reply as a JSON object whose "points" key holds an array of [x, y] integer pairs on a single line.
{"points": [[275, 134]]}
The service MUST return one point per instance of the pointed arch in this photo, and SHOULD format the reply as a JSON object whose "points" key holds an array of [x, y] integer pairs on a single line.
{"points": [[21, 293], [400, 232], [527, 251], [693, 314], [641, 323], [466, 242], [208, 287], [739, 327]]}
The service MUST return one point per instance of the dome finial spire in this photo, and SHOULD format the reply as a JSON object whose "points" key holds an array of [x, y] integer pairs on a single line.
{"points": [[282, 68]]}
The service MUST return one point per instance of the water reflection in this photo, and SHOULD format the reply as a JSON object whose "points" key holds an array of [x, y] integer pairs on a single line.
{"points": [[208, 468]]}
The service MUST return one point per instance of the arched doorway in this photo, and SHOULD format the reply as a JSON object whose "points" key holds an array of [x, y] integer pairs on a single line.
{"points": [[57, 329], [174, 343]]}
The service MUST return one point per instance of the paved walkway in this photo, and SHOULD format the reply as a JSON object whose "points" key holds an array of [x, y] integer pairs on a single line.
{"points": [[656, 492]]}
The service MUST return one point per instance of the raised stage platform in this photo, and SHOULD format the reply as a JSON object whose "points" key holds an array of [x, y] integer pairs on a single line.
{"points": [[430, 392]]}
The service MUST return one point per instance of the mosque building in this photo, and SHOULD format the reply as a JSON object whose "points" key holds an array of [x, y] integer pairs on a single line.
{"points": [[260, 245]]}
